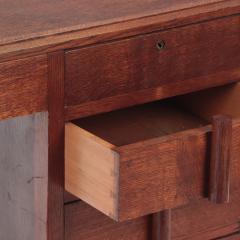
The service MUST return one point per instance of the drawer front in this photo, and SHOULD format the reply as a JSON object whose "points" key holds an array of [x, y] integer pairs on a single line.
{"points": [[193, 57], [199, 220], [161, 175], [85, 223]]}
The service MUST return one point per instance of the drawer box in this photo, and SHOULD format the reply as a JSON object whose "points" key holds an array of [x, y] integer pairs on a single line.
{"points": [[124, 163], [145, 68], [144, 159]]}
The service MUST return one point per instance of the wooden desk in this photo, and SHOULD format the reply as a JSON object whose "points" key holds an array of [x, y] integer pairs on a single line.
{"points": [[66, 60]]}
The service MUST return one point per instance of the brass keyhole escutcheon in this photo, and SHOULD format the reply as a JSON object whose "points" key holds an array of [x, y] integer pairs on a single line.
{"points": [[161, 45]]}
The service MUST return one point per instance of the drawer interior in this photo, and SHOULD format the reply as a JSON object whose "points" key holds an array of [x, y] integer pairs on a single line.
{"points": [[140, 123]]}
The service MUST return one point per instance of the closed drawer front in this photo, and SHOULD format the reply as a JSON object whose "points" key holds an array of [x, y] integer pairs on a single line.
{"points": [[144, 159], [152, 66], [200, 220]]}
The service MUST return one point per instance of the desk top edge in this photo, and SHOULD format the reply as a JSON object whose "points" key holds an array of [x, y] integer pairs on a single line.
{"points": [[50, 38]]}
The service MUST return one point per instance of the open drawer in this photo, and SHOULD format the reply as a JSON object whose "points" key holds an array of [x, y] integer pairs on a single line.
{"points": [[140, 160]]}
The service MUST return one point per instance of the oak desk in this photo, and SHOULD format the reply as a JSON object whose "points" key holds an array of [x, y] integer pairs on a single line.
{"points": [[101, 101]]}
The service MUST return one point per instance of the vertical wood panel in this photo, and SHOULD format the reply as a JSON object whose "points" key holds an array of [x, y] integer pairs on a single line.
{"points": [[56, 146], [23, 177]]}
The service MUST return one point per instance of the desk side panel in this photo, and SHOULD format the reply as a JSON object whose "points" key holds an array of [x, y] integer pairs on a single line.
{"points": [[23, 177]]}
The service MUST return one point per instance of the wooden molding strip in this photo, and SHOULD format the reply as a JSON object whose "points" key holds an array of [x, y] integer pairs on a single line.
{"points": [[220, 159], [161, 225], [55, 219]]}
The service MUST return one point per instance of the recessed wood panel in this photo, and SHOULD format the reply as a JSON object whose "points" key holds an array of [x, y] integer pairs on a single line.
{"points": [[23, 86]]}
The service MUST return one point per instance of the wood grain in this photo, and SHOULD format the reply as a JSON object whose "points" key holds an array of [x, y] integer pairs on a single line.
{"points": [[144, 122], [92, 162], [146, 95], [232, 237], [91, 170], [47, 21], [190, 148], [212, 222], [66, 37], [23, 86], [131, 65], [56, 146], [162, 225], [221, 150], [24, 177], [26, 32], [162, 163], [214, 101], [155, 175], [84, 222]]}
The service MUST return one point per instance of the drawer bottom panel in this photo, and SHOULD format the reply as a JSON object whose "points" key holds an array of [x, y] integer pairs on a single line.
{"points": [[201, 220]]}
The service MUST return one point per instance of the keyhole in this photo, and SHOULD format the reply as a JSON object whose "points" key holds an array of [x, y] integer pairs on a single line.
{"points": [[161, 45]]}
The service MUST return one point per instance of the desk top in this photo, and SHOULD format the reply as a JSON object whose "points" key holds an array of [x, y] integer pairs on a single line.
{"points": [[44, 23]]}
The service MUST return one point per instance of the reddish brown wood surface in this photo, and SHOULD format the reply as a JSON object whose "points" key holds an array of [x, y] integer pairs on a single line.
{"points": [[68, 197], [131, 18], [162, 164], [143, 96], [199, 220], [205, 220], [155, 174], [124, 67], [23, 86], [161, 225], [221, 151], [174, 173], [24, 90], [84, 222], [47, 21], [56, 146], [231, 237]]}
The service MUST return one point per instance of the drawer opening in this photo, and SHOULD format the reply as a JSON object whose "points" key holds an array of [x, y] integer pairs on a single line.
{"points": [[161, 118], [119, 160], [213, 101]]}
